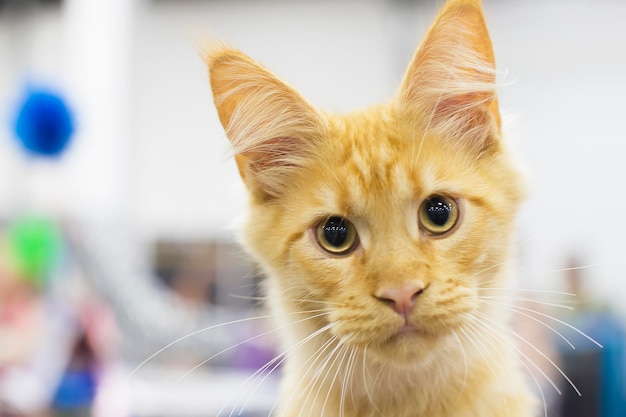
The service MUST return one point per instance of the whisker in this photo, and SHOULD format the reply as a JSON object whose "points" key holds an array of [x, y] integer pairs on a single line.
{"points": [[344, 350], [365, 378], [564, 323], [307, 301], [298, 300], [502, 361], [344, 382], [462, 348], [315, 357], [543, 397], [282, 357], [248, 297], [482, 271], [255, 376], [378, 378], [278, 358], [539, 351], [243, 342], [532, 318], [353, 364], [527, 300], [482, 352], [579, 267], [519, 351], [311, 383], [180, 339], [513, 289]]}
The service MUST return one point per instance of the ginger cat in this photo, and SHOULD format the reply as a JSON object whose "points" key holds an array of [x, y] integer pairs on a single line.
{"points": [[380, 230]]}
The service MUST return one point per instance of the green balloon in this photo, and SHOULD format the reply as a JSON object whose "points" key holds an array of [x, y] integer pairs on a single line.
{"points": [[35, 247]]}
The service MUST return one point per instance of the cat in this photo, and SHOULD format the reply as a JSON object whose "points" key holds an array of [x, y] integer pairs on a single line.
{"points": [[381, 229]]}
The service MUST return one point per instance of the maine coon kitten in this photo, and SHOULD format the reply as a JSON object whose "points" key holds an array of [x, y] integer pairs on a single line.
{"points": [[380, 229]]}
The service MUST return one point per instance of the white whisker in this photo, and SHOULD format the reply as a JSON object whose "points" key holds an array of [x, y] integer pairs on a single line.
{"points": [[332, 354], [564, 323], [282, 357], [344, 382], [462, 348], [243, 342], [513, 289], [483, 352], [365, 384], [588, 266], [501, 363], [519, 351], [344, 351], [319, 355], [274, 363], [555, 331], [489, 268], [543, 397], [180, 339], [533, 347], [314, 357], [352, 377], [523, 299]]}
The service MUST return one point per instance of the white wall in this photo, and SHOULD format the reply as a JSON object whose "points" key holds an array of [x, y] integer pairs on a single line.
{"points": [[79, 52], [31, 54], [568, 58]]}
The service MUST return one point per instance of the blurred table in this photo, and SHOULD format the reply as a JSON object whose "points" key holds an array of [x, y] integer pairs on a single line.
{"points": [[156, 392]]}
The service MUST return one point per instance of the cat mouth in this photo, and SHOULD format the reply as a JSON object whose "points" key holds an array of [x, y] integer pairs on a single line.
{"points": [[409, 331], [409, 345]]}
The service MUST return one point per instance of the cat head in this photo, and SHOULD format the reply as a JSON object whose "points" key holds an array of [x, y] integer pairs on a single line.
{"points": [[390, 219]]}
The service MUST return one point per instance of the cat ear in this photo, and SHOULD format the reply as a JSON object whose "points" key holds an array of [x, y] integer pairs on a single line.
{"points": [[450, 83], [270, 126]]}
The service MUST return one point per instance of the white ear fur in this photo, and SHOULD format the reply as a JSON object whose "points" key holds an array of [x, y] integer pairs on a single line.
{"points": [[270, 125]]}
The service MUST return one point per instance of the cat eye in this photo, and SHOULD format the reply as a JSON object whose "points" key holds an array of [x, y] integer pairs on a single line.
{"points": [[336, 235], [438, 214]]}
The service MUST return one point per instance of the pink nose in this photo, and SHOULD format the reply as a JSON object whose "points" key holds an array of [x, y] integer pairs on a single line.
{"points": [[401, 299]]}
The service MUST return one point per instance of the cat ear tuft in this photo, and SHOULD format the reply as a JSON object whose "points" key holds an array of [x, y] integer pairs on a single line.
{"points": [[450, 84], [271, 127]]}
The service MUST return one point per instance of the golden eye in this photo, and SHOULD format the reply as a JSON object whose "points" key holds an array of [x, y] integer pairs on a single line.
{"points": [[438, 214], [336, 235]]}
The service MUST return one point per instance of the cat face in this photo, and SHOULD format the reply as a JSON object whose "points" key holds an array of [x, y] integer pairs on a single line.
{"points": [[356, 233], [389, 220]]}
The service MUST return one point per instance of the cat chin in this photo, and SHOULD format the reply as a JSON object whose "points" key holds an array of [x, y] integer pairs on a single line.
{"points": [[408, 349], [393, 343]]}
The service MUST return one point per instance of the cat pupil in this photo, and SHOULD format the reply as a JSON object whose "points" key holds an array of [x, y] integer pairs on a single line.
{"points": [[438, 211], [336, 231]]}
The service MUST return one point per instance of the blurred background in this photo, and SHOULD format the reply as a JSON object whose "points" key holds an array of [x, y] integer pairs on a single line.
{"points": [[119, 202]]}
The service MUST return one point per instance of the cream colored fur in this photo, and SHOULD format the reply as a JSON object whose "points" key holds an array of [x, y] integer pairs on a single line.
{"points": [[346, 354]]}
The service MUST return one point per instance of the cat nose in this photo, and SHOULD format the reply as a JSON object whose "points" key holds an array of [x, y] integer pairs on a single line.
{"points": [[401, 299]]}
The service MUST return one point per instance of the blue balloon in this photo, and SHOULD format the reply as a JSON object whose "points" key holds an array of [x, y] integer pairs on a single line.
{"points": [[44, 124]]}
